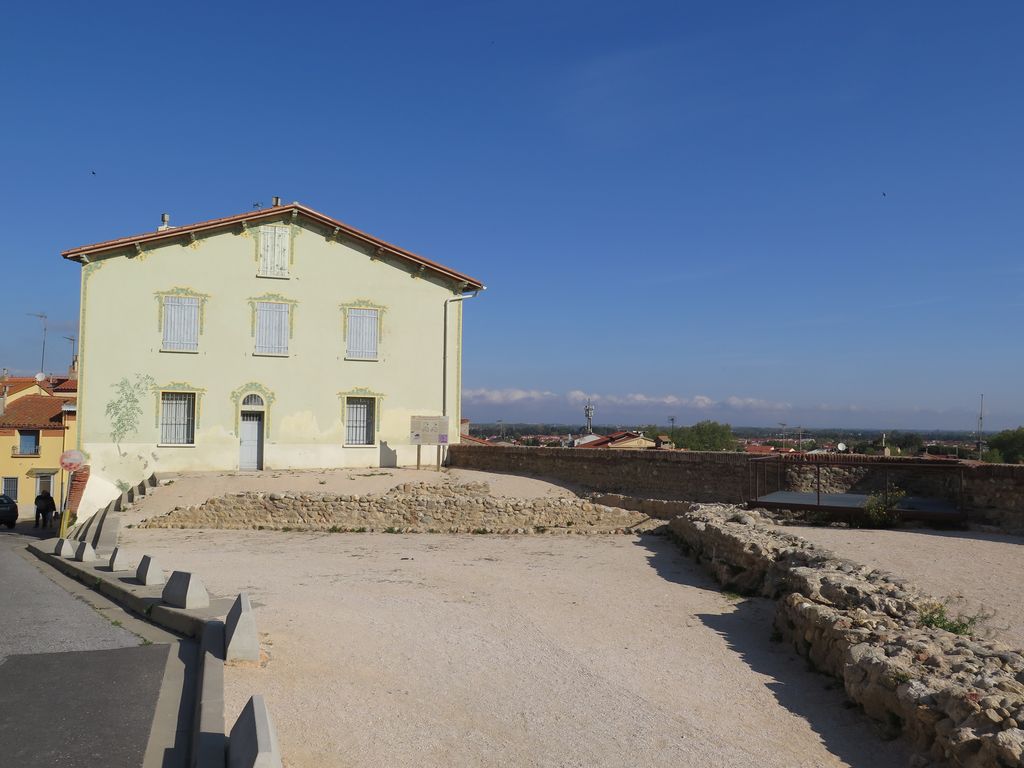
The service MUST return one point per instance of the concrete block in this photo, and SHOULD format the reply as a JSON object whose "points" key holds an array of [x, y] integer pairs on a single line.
{"points": [[253, 740], [65, 548], [118, 561], [241, 642], [84, 553], [149, 572], [185, 590], [106, 535]]}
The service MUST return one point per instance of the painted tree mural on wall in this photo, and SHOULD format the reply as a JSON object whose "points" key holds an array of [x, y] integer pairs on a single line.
{"points": [[125, 409]]}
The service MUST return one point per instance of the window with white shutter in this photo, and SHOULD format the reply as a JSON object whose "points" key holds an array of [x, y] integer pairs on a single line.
{"points": [[359, 420], [271, 328], [275, 250], [362, 334], [181, 324], [177, 418]]}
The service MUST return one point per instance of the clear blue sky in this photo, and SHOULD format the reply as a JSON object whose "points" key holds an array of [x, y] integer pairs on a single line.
{"points": [[757, 212]]}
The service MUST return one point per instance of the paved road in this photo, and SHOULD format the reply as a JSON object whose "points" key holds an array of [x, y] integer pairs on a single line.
{"points": [[75, 689]]}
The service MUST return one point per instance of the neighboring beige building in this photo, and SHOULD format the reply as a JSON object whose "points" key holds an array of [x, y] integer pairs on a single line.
{"points": [[277, 338]]}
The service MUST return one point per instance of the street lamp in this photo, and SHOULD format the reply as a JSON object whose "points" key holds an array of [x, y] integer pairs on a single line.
{"points": [[783, 425]]}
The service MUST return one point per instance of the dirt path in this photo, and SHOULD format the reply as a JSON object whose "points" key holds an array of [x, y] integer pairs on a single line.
{"points": [[976, 571], [435, 650]]}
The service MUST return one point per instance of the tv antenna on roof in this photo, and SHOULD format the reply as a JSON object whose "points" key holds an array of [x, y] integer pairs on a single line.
{"points": [[42, 359]]}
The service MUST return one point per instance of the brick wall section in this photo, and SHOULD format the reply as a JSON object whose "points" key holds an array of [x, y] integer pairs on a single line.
{"points": [[993, 493], [77, 488]]}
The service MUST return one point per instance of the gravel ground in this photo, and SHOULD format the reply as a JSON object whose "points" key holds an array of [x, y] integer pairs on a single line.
{"points": [[550, 650], [975, 571]]}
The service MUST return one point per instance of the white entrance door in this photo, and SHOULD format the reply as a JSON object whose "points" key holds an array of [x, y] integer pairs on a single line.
{"points": [[251, 441]]}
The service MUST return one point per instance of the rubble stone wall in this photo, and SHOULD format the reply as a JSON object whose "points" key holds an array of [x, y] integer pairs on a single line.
{"points": [[959, 699], [993, 493], [411, 507]]}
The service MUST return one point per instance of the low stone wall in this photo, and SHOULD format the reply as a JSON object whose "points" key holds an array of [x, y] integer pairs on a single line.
{"points": [[682, 475], [412, 507], [959, 699], [993, 493]]}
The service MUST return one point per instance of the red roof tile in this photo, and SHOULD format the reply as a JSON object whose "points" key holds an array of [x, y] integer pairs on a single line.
{"points": [[34, 412], [268, 214], [68, 385]]}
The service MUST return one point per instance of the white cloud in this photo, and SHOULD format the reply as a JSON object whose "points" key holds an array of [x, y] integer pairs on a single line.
{"points": [[502, 396], [755, 404]]}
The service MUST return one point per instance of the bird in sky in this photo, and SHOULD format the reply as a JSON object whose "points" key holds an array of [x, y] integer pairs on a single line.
{"points": [[93, 172]]}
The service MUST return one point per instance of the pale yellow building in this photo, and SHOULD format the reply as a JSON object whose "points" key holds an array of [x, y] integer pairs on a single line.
{"points": [[37, 424], [278, 338]]}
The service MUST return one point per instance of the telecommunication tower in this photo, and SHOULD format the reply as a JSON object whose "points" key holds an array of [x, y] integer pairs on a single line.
{"points": [[588, 411]]}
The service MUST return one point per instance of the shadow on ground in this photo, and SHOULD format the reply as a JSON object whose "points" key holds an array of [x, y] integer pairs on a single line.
{"points": [[26, 528], [819, 699]]}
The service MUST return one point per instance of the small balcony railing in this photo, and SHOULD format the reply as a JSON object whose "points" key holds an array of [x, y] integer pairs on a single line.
{"points": [[18, 452]]}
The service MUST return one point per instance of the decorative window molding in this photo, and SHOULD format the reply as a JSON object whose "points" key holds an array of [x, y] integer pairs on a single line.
{"points": [[178, 386], [253, 388], [378, 398], [272, 298], [361, 304], [180, 293]]}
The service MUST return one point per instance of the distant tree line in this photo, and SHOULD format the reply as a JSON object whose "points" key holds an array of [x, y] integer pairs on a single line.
{"points": [[702, 436]]}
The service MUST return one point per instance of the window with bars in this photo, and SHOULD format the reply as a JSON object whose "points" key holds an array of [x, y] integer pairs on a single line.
{"points": [[275, 251], [359, 420], [10, 488], [362, 334], [181, 324], [177, 418], [271, 328]]}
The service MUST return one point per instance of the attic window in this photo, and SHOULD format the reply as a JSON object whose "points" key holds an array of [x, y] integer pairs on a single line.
{"points": [[275, 250]]}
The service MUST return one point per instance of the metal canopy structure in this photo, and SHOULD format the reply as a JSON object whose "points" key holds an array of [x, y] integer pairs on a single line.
{"points": [[761, 471]]}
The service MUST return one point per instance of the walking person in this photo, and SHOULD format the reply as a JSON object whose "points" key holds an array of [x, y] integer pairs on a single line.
{"points": [[45, 507]]}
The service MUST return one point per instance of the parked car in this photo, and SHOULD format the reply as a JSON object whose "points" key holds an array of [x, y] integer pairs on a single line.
{"points": [[8, 511]]}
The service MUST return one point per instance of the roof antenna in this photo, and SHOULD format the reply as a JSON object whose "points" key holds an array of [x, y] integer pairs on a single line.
{"points": [[257, 204]]}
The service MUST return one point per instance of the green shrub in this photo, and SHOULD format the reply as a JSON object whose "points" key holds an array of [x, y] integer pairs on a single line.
{"points": [[880, 510], [936, 616]]}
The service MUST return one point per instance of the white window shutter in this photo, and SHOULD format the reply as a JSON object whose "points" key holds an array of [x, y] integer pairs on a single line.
{"points": [[282, 249], [181, 324], [271, 328], [362, 334], [275, 250]]}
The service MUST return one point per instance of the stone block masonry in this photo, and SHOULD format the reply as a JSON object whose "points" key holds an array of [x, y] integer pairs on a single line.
{"points": [[993, 493], [689, 475], [412, 507], [959, 699]]}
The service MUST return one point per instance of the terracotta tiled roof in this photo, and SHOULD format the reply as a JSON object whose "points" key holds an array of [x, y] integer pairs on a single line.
{"points": [[34, 412], [68, 385], [267, 214], [471, 439]]}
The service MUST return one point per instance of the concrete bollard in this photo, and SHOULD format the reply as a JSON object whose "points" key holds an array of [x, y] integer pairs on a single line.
{"points": [[253, 740], [241, 643], [118, 560], [84, 553], [149, 572], [65, 549], [185, 590]]}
